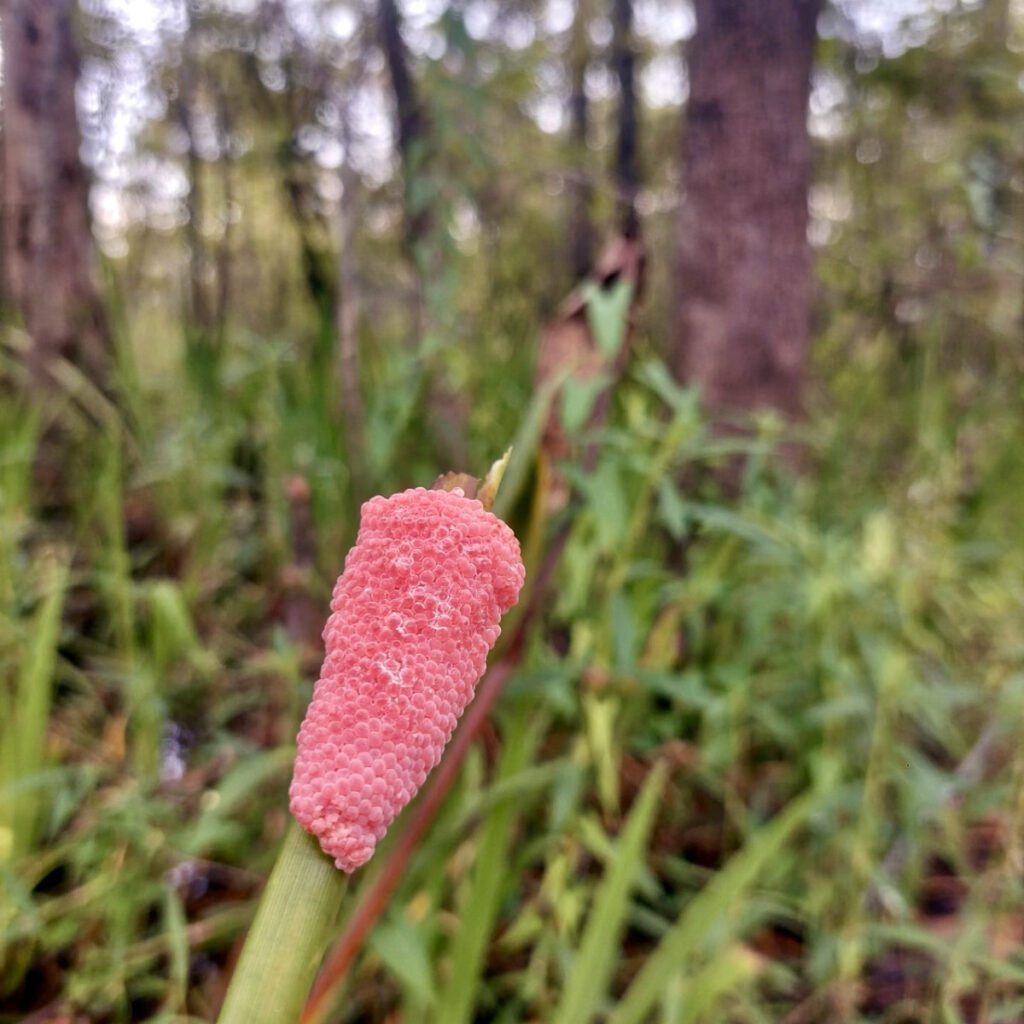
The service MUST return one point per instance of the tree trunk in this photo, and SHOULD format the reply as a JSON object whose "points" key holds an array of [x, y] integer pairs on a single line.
{"points": [[48, 246], [581, 188], [188, 91], [410, 122], [348, 309], [624, 65], [306, 80], [745, 270], [225, 255], [424, 223]]}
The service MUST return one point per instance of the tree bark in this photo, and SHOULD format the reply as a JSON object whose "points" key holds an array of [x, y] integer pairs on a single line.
{"points": [[581, 188], [188, 91], [48, 247], [225, 254], [424, 223], [627, 177], [348, 309], [745, 269], [307, 78], [410, 122]]}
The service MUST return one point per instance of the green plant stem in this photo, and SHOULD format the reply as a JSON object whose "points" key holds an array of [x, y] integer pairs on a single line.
{"points": [[287, 940]]}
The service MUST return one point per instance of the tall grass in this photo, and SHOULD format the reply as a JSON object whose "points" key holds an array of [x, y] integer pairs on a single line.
{"points": [[832, 687]]}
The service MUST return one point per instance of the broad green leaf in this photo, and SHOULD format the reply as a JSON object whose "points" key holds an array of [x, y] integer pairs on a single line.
{"points": [[398, 944]]}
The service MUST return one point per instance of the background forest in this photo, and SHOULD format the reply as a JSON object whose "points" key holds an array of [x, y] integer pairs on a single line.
{"points": [[743, 283]]}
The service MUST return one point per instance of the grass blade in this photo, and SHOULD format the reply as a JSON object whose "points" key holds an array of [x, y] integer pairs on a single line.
{"points": [[23, 730], [717, 900], [489, 883], [594, 963]]}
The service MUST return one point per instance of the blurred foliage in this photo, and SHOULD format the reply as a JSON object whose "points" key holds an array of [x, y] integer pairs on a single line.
{"points": [[761, 760]]}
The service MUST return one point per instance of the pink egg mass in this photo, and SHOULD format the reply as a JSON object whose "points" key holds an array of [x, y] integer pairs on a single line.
{"points": [[413, 617]]}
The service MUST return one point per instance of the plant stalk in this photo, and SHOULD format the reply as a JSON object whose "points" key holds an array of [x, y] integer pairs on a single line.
{"points": [[286, 943]]}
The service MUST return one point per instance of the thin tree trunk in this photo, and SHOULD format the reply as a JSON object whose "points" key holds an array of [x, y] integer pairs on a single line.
{"points": [[624, 65], [311, 226], [412, 144], [410, 122], [286, 111], [581, 189], [199, 310], [227, 177], [444, 408], [996, 23], [745, 269], [48, 247], [348, 308]]}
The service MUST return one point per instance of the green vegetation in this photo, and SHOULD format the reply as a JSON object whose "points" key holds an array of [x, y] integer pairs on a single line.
{"points": [[868, 652], [760, 754]]}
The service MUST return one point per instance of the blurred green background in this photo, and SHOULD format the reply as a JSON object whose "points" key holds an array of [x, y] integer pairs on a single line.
{"points": [[759, 753]]}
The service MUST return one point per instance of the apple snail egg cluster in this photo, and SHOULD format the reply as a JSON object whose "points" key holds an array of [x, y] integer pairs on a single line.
{"points": [[413, 617]]}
